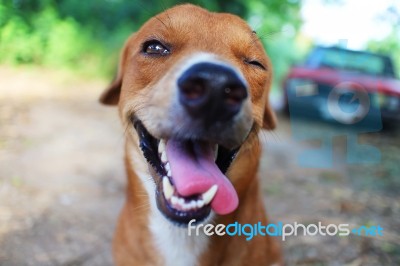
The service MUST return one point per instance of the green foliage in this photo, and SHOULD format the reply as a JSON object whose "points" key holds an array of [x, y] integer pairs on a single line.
{"points": [[276, 23], [391, 46], [87, 35]]}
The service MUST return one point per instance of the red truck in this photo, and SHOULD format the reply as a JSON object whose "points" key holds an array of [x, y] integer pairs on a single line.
{"points": [[344, 86]]}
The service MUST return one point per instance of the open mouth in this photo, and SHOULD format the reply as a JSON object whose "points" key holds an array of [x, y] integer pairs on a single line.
{"points": [[189, 176]]}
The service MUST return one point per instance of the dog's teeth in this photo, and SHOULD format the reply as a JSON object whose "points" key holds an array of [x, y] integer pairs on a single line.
{"points": [[199, 203], [161, 146], [174, 200], [181, 201], [185, 207], [189, 205], [164, 157], [167, 167], [169, 173], [168, 188], [209, 195]]}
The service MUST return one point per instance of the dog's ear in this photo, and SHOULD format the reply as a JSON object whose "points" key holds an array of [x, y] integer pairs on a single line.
{"points": [[269, 120], [111, 95]]}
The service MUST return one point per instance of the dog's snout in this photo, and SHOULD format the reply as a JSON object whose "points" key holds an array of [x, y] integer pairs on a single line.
{"points": [[211, 92]]}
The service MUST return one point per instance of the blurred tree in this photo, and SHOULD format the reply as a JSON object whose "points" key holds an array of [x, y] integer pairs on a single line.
{"points": [[391, 44], [85, 33]]}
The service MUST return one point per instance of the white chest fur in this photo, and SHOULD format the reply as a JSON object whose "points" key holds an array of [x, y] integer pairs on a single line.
{"points": [[173, 243], [177, 247]]}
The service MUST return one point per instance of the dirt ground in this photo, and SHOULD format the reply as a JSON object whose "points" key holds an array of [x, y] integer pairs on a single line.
{"points": [[62, 180]]}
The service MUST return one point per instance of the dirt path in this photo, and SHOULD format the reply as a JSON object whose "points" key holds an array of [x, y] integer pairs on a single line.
{"points": [[62, 181]]}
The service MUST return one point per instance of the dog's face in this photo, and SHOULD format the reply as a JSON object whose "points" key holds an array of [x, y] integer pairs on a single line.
{"points": [[192, 86]]}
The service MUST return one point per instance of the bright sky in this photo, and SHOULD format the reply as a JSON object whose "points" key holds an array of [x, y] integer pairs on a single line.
{"points": [[355, 21]]}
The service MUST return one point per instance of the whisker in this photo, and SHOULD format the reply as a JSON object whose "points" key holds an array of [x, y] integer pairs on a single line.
{"points": [[141, 207], [149, 12], [142, 196], [165, 8], [267, 36]]}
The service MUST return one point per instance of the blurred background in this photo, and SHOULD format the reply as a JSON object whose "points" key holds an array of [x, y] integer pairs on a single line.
{"points": [[333, 158]]}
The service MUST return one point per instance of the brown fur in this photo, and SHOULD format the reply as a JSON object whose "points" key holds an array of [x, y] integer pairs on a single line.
{"points": [[189, 29]]}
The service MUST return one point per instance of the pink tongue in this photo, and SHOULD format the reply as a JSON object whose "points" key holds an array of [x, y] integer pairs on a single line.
{"points": [[194, 172]]}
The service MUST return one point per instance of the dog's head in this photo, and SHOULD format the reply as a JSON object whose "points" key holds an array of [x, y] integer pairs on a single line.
{"points": [[191, 87]]}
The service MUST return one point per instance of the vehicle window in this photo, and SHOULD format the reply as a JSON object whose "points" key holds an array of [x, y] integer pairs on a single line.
{"points": [[352, 61]]}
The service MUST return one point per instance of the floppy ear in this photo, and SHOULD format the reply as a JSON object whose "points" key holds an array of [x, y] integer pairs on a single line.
{"points": [[269, 120], [111, 95]]}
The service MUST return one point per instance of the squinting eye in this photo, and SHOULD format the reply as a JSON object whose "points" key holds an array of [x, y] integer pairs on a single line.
{"points": [[155, 48], [255, 63]]}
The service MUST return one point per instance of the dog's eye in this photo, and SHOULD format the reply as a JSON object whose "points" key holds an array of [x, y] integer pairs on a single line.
{"points": [[155, 48], [255, 63]]}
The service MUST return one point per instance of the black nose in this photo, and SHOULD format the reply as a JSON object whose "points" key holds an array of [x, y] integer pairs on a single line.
{"points": [[211, 92]]}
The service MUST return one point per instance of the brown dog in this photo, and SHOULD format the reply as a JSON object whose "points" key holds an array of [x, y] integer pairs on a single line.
{"points": [[192, 90]]}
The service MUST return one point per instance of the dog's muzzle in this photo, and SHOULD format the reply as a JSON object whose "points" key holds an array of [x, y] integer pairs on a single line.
{"points": [[190, 160], [211, 92]]}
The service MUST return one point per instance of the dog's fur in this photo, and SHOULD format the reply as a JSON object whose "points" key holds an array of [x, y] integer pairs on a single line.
{"points": [[146, 87]]}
